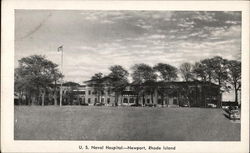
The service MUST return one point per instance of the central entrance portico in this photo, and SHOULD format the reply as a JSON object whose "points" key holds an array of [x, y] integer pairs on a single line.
{"points": [[128, 98]]}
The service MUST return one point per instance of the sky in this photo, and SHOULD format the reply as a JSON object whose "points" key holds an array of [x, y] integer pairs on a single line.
{"points": [[95, 40]]}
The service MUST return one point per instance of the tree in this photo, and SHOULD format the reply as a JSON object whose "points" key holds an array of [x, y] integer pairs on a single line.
{"points": [[56, 77], [118, 72], [186, 71], [199, 72], [234, 76], [142, 73], [33, 77], [167, 72], [151, 88], [184, 91], [219, 71], [71, 92], [119, 80], [21, 87], [97, 82], [203, 70], [163, 92]]}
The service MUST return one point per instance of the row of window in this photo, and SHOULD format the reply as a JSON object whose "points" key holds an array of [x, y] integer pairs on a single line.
{"points": [[96, 100], [93, 92], [132, 100], [127, 100]]}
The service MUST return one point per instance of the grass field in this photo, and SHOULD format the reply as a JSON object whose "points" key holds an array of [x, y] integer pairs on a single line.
{"points": [[123, 123]]}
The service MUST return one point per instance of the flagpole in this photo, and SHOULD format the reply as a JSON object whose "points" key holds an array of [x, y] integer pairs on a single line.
{"points": [[61, 78]]}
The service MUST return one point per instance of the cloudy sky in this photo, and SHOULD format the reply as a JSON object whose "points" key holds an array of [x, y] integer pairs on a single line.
{"points": [[95, 40]]}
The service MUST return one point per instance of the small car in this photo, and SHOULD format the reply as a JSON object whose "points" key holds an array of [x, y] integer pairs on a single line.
{"points": [[98, 104], [211, 105], [84, 104], [234, 114], [230, 108], [185, 105], [136, 105], [150, 105]]}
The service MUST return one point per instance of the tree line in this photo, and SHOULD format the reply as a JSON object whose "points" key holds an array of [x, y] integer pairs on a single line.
{"points": [[36, 77]]}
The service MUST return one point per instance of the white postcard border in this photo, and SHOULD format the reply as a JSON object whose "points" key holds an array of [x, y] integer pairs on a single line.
{"points": [[7, 75]]}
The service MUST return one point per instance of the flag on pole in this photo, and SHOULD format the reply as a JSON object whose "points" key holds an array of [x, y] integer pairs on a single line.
{"points": [[60, 48]]}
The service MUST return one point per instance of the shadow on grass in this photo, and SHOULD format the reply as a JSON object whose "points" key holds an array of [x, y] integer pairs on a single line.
{"points": [[226, 110], [226, 113]]}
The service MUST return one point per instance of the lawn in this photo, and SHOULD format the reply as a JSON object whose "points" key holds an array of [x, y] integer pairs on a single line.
{"points": [[123, 123]]}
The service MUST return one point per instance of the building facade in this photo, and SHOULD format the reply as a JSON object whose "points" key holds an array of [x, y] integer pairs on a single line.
{"points": [[170, 94], [162, 94]]}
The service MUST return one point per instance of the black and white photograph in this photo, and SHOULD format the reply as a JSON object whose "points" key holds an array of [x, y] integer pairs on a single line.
{"points": [[127, 76]]}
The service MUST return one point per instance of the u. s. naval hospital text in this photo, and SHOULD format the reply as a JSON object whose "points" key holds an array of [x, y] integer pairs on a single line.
{"points": [[138, 148]]}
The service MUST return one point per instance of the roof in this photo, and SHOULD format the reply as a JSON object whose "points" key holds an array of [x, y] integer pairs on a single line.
{"points": [[164, 83], [160, 83], [128, 93], [105, 78], [68, 84], [71, 84], [225, 103], [190, 83]]}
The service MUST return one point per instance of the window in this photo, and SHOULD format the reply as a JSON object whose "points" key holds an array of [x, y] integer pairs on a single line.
{"points": [[89, 92], [159, 101], [148, 100], [109, 92], [95, 100], [102, 100], [81, 92], [175, 101], [125, 100], [131, 100], [89, 100]]}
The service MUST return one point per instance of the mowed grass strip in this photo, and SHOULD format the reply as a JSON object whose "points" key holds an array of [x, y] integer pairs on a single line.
{"points": [[123, 123]]}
